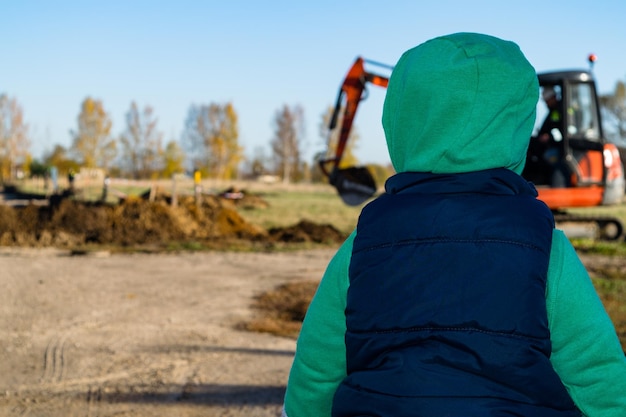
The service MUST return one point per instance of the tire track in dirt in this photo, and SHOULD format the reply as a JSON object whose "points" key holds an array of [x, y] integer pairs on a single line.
{"points": [[143, 335], [54, 359]]}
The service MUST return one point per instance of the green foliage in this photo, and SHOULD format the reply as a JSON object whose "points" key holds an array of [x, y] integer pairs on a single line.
{"points": [[38, 169]]}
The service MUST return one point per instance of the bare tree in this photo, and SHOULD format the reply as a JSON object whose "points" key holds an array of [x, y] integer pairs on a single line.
{"points": [[258, 162], [14, 141], [287, 141], [141, 143], [212, 139], [92, 142]]}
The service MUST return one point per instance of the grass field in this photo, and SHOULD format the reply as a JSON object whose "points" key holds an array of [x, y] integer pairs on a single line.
{"points": [[289, 207]]}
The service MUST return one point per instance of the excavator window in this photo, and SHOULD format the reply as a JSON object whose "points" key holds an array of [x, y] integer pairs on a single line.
{"points": [[566, 148], [546, 164], [549, 112], [584, 134], [582, 119]]}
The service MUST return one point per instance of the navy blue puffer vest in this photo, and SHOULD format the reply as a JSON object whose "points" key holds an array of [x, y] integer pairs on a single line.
{"points": [[446, 312]]}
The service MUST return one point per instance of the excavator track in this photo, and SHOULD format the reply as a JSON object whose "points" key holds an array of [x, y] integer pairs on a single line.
{"points": [[607, 228]]}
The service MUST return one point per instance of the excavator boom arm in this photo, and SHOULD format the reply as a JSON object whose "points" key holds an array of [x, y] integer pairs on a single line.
{"points": [[352, 91]]}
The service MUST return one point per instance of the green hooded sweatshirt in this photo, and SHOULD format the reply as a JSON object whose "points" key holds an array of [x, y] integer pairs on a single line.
{"points": [[460, 103]]}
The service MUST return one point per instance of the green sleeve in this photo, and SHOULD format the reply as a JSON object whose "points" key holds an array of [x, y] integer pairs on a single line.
{"points": [[320, 361], [586, 352]]}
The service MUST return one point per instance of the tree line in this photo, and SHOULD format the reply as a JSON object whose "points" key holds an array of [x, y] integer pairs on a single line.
{"points": [[209, 144]]}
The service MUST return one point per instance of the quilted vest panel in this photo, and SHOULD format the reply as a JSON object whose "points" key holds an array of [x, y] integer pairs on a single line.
{"points": [[446, 312]]}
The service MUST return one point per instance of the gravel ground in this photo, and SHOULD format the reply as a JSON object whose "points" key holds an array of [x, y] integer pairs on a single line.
{"points": [[147, 335], [142, 335]]}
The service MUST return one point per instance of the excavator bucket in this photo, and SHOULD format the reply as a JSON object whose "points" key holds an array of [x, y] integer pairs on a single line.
{"points": [[355, 185]]}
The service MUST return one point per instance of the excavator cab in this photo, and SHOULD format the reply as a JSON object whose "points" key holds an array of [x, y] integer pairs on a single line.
{"points": [[568, 160]]}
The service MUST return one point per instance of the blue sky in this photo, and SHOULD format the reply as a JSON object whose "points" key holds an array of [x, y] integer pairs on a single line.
{"points": [[261, 55]]}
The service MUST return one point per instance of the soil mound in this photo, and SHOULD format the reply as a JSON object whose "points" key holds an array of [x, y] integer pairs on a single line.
{"points": [[308, 231], [209, 220], [135, 221]]}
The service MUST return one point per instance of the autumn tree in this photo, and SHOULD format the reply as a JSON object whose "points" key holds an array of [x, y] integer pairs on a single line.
{"points": [[14, 140], [141, 143], [173, 159], [92, 142], [212, 139], [287, 141], [614, 109]]}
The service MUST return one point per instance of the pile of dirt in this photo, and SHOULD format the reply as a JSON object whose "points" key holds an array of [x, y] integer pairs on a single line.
{"points": [[307, 231], [138, 221], [282, 309]]}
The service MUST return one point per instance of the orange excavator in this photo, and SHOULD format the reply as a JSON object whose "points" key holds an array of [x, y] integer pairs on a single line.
{"points": [[354, 184], [569, 159]]}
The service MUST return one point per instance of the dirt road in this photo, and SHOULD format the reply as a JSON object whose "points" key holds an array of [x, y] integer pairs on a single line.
{"points": [[142, 335]]}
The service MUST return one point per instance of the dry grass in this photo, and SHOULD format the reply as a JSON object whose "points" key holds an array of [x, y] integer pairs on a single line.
{"points": [[282, 309]]}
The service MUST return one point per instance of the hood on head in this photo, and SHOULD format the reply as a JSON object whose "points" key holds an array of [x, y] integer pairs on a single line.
{"points": [[460, 103]]}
